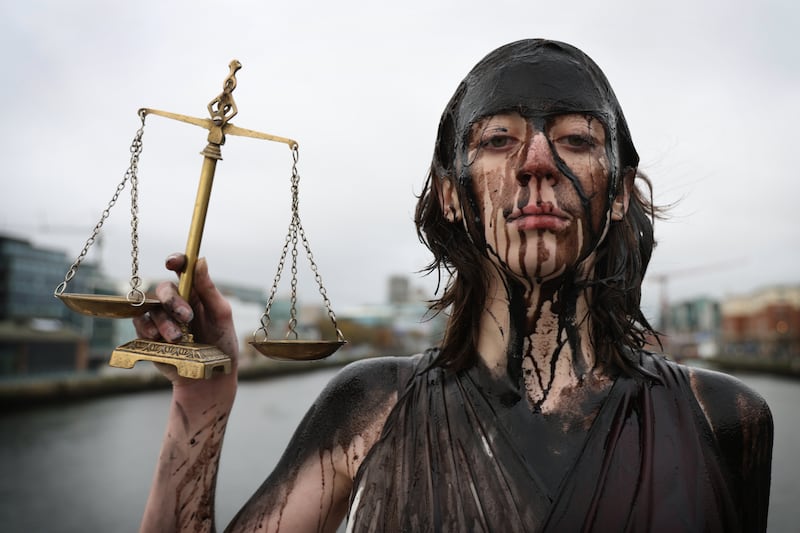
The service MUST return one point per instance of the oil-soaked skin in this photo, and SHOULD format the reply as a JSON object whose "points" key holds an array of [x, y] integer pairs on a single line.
{"points": [[541, 227], [537, 435], [331, 442]]}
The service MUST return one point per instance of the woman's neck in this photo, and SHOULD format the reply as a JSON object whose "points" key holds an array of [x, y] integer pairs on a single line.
{"points": [[538, 336]]}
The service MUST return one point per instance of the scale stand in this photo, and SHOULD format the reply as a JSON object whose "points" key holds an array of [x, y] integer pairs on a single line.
{"points": [[193, 360]]}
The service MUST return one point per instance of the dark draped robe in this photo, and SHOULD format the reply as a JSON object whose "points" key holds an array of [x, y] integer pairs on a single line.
{"points": [[454, 457]]}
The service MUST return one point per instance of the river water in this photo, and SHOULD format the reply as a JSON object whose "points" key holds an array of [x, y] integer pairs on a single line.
{"points": [[87, 467]]}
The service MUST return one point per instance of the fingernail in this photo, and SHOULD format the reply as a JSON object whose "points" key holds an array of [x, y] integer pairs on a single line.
{"points": [[184, 314], [173, 333], [151, 331]]}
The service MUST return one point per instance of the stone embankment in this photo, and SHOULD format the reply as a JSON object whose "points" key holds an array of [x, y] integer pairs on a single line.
{"points": [[29, 392]]}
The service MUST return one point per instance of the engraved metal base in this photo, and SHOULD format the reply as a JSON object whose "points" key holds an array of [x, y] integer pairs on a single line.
{"points": [[195, 361]]}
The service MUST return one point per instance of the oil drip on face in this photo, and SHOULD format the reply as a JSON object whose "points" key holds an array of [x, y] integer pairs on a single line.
{"points": [[539, 189]]}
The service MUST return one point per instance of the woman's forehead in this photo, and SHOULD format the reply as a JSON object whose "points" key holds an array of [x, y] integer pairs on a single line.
{"points": [[537, 83], [513, 119]]}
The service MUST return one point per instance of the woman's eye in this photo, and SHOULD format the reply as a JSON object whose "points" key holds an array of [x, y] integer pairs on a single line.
{"points": [[578, 141], [496, 141]]}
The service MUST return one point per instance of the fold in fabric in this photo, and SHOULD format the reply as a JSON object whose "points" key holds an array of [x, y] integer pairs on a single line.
{"points": [[454, 458]]}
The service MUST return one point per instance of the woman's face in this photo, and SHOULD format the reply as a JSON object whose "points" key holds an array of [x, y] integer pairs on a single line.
{"points": [[540, 217]]}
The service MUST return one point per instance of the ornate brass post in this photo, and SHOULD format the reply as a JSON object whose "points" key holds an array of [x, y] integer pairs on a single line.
{"points": [[194, 360]]}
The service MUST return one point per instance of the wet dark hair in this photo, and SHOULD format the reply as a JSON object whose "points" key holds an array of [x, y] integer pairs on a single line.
{"points": [[538, 79]]}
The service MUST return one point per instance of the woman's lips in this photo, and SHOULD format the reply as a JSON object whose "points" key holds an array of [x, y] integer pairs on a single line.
{"points": [[540, 217]]}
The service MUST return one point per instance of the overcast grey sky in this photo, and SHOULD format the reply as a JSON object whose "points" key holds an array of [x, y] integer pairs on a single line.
{"points": [[709, 89]]}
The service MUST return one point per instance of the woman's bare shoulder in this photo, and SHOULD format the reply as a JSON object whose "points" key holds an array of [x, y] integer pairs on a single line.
{"points": [[359, 397], [309, 487], [369, 380], [730, 406]]}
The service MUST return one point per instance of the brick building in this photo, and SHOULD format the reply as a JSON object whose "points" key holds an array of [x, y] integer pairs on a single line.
{"points": [[764, 324]]}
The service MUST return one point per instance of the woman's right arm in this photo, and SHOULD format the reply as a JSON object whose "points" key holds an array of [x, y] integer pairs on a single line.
{"points": [[309, 489], [182, 493]]}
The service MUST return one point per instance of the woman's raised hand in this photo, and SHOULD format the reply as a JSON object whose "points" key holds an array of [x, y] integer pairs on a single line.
{"points": [[207, 312]]}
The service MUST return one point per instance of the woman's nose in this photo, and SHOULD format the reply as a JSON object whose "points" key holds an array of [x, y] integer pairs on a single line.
{"points": [[537, 162]]}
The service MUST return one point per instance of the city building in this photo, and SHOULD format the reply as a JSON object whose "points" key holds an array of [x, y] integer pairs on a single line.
{"points": [[764, 324], [37, 333], [399, 290], [691, 328], [402, 326]]}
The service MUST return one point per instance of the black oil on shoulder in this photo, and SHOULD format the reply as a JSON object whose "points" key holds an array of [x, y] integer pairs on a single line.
{"points": [[347, 406]]}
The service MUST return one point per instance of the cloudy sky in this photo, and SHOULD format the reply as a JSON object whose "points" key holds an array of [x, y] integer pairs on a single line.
{"points": [[709, 89]]}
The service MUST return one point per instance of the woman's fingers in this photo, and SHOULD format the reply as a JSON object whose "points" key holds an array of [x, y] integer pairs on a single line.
{"points": [[175, 306], [156, 325], [169, 330], [145, 327], [164, 323], [214, 304], [215, 323], [176, 262], [209, 312]]}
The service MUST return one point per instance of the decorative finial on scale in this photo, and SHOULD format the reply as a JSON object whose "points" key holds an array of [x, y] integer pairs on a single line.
{"points": [[223, 107]]}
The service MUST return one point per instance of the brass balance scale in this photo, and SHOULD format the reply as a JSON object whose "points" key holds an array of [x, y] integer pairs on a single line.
{"points": [[193, 360]]}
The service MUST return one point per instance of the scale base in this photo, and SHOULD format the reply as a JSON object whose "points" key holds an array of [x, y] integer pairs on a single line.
{"points": [[194, 361]]}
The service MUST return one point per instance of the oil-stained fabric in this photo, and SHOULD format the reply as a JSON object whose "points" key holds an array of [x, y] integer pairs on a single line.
{"points": [[453, 458]]}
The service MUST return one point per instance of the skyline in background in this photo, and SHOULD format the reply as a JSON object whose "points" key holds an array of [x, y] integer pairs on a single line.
{"points": [[709, 90]]}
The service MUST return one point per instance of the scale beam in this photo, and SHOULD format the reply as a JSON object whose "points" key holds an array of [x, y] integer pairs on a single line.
{"points": [[228, 129]]}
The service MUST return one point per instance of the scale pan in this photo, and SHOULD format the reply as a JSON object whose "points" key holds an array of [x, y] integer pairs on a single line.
{"points": [[102, 305], [297, 350]]}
